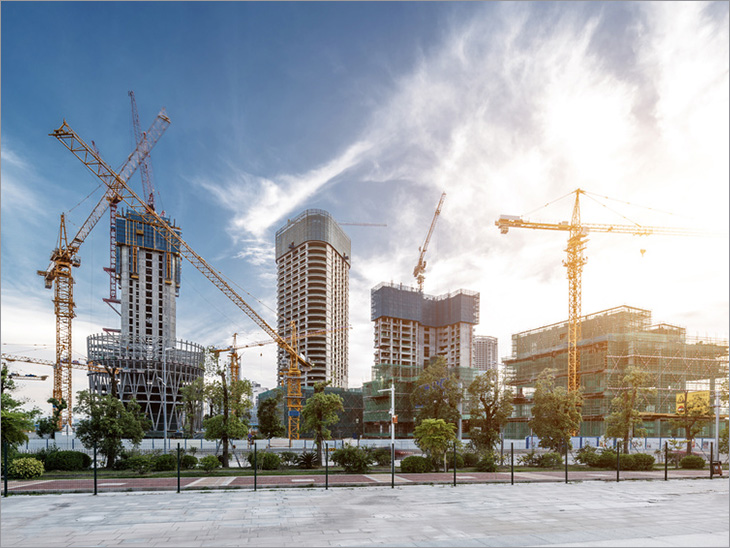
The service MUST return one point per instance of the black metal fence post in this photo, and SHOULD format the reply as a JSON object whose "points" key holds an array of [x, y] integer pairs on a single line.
{"points": [[255, 477], [95, 492], [326, 466], [454, 463], [512, 462], [566, 462], [712, 452], [178, 467], [618, 460], [666, 459], [5, 468], [392, 466]]}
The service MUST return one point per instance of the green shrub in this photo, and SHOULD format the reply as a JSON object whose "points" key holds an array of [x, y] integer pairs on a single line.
{"points": [[692, 462], [265, 460], [379, 455], [164, 463], [415, 465], [209, 462], [25, 468], [627, 462], [67, 460], [471, 459], [288, 458], [450, 460], [139, 463], [188, 462], [488, 463], [270, 461], [530, 458], [607, 459], [642, 461], [353, 459], [550, 460], [587, 455], [307, 460]]}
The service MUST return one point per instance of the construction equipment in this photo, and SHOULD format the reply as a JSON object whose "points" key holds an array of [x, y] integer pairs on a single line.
{"points": [[420, 269], [145, 169], [235, 366], [66, 136], [27, 377], [89, 367], [575, 261], [58, 275]]}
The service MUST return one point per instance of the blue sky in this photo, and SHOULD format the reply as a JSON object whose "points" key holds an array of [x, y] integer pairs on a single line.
{"points": [[370, 111]]}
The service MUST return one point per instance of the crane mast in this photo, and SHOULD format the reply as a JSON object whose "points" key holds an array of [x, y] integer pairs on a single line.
{"points": [[576, 260], [58, 275], [420, 269], [67, 137]]}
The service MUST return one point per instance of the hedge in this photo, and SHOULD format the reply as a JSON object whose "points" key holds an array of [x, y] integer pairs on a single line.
{"points": [[25, 468], [415, 465], [67, 460], [692, 462]]}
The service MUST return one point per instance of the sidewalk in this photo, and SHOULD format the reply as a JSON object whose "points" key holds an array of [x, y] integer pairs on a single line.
{"points": [[71, 485], [594, 513]]}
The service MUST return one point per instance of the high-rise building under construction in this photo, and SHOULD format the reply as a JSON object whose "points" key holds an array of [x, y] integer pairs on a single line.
{"points": [[313, 272], [612, 341], [152, 364], [411, 329]]}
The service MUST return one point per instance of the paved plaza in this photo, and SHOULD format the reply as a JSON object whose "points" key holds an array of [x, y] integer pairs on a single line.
{"points": [[596, 513]]}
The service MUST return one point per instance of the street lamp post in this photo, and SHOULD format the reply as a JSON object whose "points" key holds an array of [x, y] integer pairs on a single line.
{"points": [[392, 411], [164, 396]]}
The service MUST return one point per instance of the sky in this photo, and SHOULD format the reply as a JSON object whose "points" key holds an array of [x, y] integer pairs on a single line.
{"points": [[370, 111]]}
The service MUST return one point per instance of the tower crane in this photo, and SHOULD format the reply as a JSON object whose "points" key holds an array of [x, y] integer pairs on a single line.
{"points": [[235, 366], [68, 138], [64, 257], [577, 232], [420, 269]]}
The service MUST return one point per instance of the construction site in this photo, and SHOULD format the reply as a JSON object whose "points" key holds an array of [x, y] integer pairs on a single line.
{"points": [[612, 341], [142, 358]]}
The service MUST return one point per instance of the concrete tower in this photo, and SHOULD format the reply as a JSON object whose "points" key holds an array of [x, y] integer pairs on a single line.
{"points": [[313, 270], [153, 365]]}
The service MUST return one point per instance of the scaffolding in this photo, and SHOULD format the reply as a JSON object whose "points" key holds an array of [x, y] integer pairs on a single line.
{"points": [[613, 340], [148, 373]]}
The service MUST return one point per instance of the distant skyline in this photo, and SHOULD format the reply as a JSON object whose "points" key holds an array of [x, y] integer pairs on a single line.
{"points": [[369, 111]]}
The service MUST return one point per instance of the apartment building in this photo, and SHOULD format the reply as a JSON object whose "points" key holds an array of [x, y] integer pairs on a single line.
{"points": [[313, 273]]}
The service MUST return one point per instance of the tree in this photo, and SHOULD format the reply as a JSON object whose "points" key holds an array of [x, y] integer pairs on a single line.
{"points": [[625, 420], [437, 393], [270, 424], [193, 398], [724, 441], [693, 418], [555, 412], [434, 437], [490, 410], [14, 421], [232, 401], [108, 421], [319, 412], [48, 426]]}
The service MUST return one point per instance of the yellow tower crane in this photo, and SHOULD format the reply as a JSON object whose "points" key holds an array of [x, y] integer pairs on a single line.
{"points": [[577, 232], [66, 136], [420, 269], [58, 275]]}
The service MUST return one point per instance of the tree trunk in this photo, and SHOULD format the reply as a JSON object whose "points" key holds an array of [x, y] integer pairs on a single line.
{"points": [[224, 439]]}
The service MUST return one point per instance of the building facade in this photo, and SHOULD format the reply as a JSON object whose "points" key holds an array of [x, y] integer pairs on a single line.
{"points": [[486, 356], [411, 327], [313, 274], [613, 340], [152, 364]]}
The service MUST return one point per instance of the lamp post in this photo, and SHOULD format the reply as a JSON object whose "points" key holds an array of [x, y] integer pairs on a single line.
{"points": [[392, 411], [164, 395]]}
